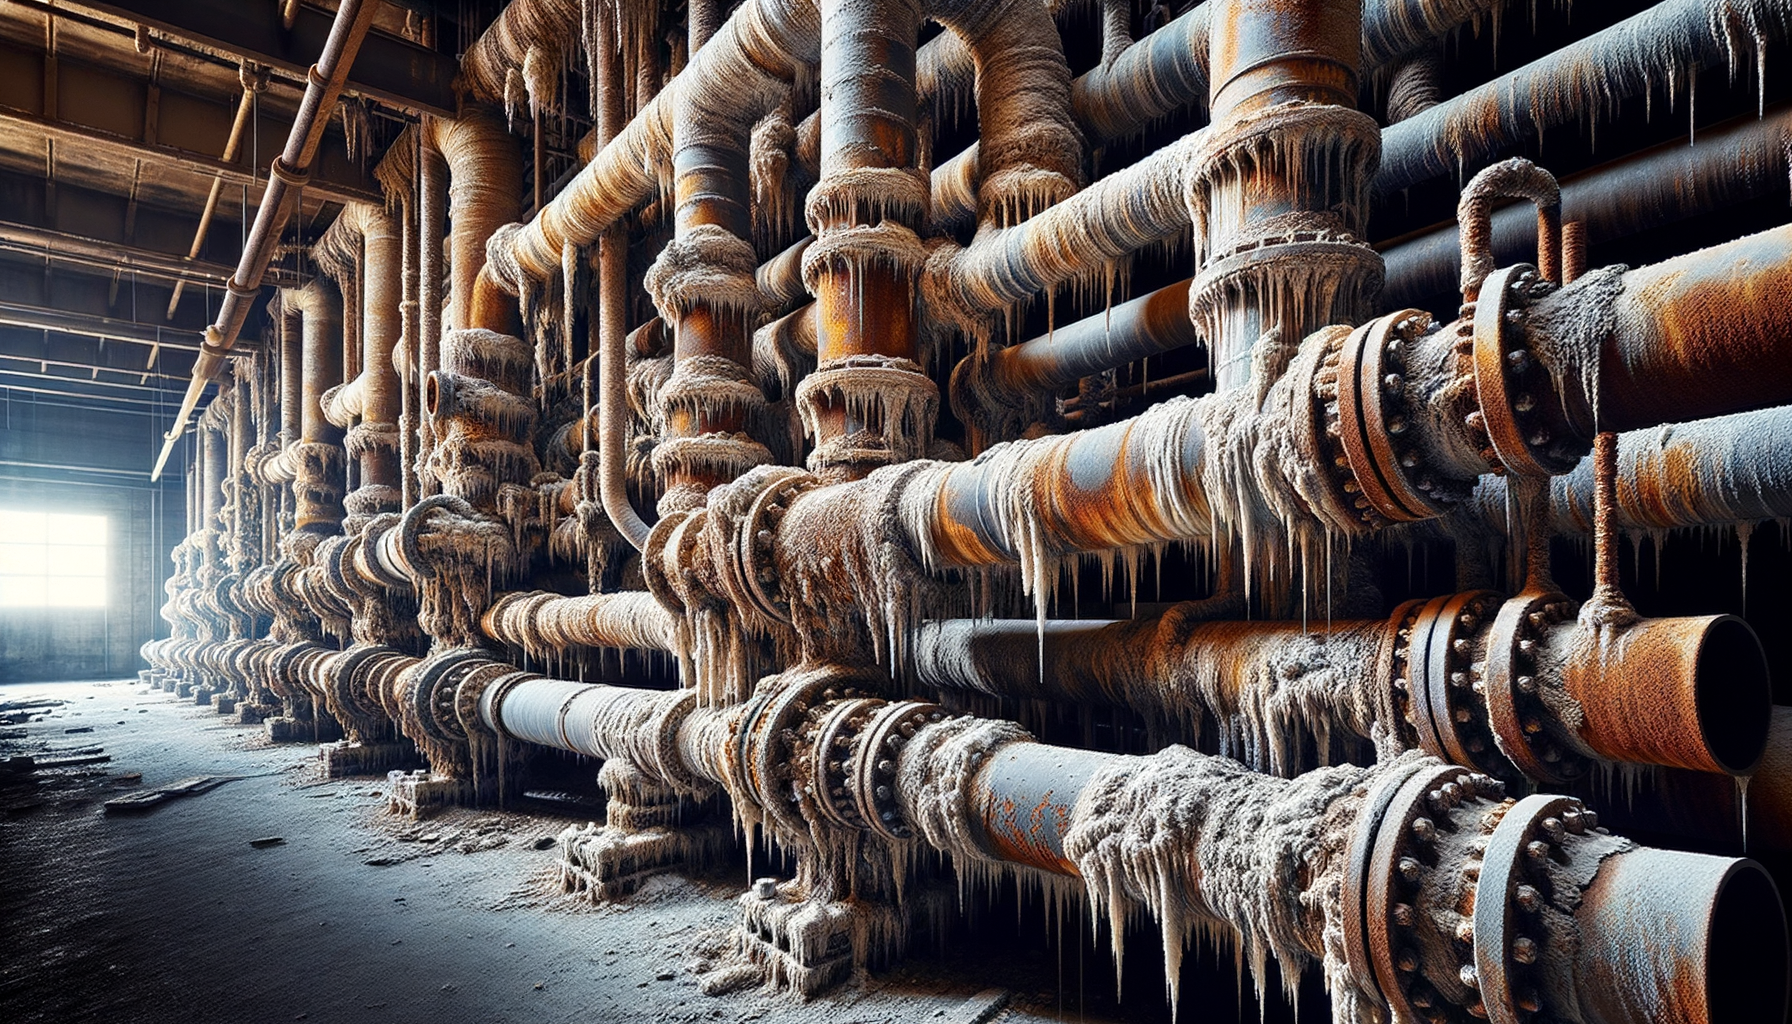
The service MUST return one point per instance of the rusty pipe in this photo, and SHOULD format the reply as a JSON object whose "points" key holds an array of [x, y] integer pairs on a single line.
{"points": [[1669, 937], [252, 84], [432, 214], [290, 170], [1688, 693], [1017, 375], [1731, 164], [1695, 336], [1462, 133], [1724, 470], [485, 174], [541, 622]]}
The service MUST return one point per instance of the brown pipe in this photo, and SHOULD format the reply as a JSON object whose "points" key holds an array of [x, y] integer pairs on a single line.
{"points": [[485, 191], [1700, 335], [1685, 692], [291, 168], [432, 214]]}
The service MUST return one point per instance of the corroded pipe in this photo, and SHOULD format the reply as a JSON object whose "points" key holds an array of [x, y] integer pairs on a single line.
{"points": [[1701, 335], [1659, 46], [1724, 470], [290, 170], [1671, 182], [1690, 693], [541, 622], [1018, 376], [817, 764]]}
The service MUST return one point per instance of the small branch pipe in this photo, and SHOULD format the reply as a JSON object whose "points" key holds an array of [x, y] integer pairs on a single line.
{"points": [[253, 83], [1661, 46], [612, 319], [1671, 182], [432, 205], [291, 169]]}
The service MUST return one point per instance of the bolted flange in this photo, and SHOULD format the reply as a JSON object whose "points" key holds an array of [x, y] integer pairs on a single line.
{"points": [[1528, 433]]}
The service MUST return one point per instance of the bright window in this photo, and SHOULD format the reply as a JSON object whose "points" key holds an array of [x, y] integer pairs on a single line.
{"points": [[52, 560]]}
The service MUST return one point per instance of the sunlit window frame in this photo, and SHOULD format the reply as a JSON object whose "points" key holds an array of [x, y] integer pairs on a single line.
{"points": [[98, 534]]}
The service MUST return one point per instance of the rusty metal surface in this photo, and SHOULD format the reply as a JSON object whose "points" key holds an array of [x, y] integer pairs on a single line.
{"points": [[1687, 693], [1701, 335]]}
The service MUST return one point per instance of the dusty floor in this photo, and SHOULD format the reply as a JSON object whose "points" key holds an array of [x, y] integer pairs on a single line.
{"points": [[355, 916]]}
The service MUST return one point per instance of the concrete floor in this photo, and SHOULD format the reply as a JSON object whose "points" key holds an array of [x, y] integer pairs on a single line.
{"points": [[357, 915]]}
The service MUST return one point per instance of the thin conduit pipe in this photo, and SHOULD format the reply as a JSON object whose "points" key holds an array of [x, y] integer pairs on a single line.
{"points": [[432, 214], [252, 84], [289, 170]]}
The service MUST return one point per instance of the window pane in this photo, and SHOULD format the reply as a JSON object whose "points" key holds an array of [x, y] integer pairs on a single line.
{"points": [[22, 559], [77, 561], [21, 591], [61, 529], [75, 592], [22, 527]]}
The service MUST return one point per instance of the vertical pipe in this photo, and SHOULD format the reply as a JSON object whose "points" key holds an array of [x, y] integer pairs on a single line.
{"points": [[860, 404], [612, 313], [292, 373], [432, 212], [1288, 156], [382, 287]]}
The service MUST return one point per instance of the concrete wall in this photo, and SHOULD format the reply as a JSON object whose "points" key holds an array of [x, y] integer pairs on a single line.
{"points": [[145, 523]]}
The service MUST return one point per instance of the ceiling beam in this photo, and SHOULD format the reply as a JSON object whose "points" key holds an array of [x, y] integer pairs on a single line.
{"points": [[55, 129], [389, 69], [110, 256], [18, 314], [62, 379], [8, 383]]}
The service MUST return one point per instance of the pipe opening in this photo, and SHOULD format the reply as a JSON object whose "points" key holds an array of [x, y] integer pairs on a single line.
{"points": [[432, 393], [1734, 692], [1749, 970]]}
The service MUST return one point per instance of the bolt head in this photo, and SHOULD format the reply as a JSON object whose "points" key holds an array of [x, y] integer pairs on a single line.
{"points": [[1467, 977], [1527, 897], [1524, 950]]}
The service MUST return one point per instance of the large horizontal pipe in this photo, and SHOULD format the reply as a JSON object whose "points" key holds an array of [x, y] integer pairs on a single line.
{"points": [[1669, 183], [1700, 335], [1724, 470], [1660, 46], [1219, 843], [542, 622], [1681, 692], [1138, 329]]}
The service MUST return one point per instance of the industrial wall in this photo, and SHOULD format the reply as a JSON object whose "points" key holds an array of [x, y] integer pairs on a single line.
{"points": [[36, 440]]}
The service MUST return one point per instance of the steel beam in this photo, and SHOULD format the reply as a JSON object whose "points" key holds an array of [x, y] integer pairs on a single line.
{"points": [[17, 314], [59, 130], [111, 256], [389, 69]]}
